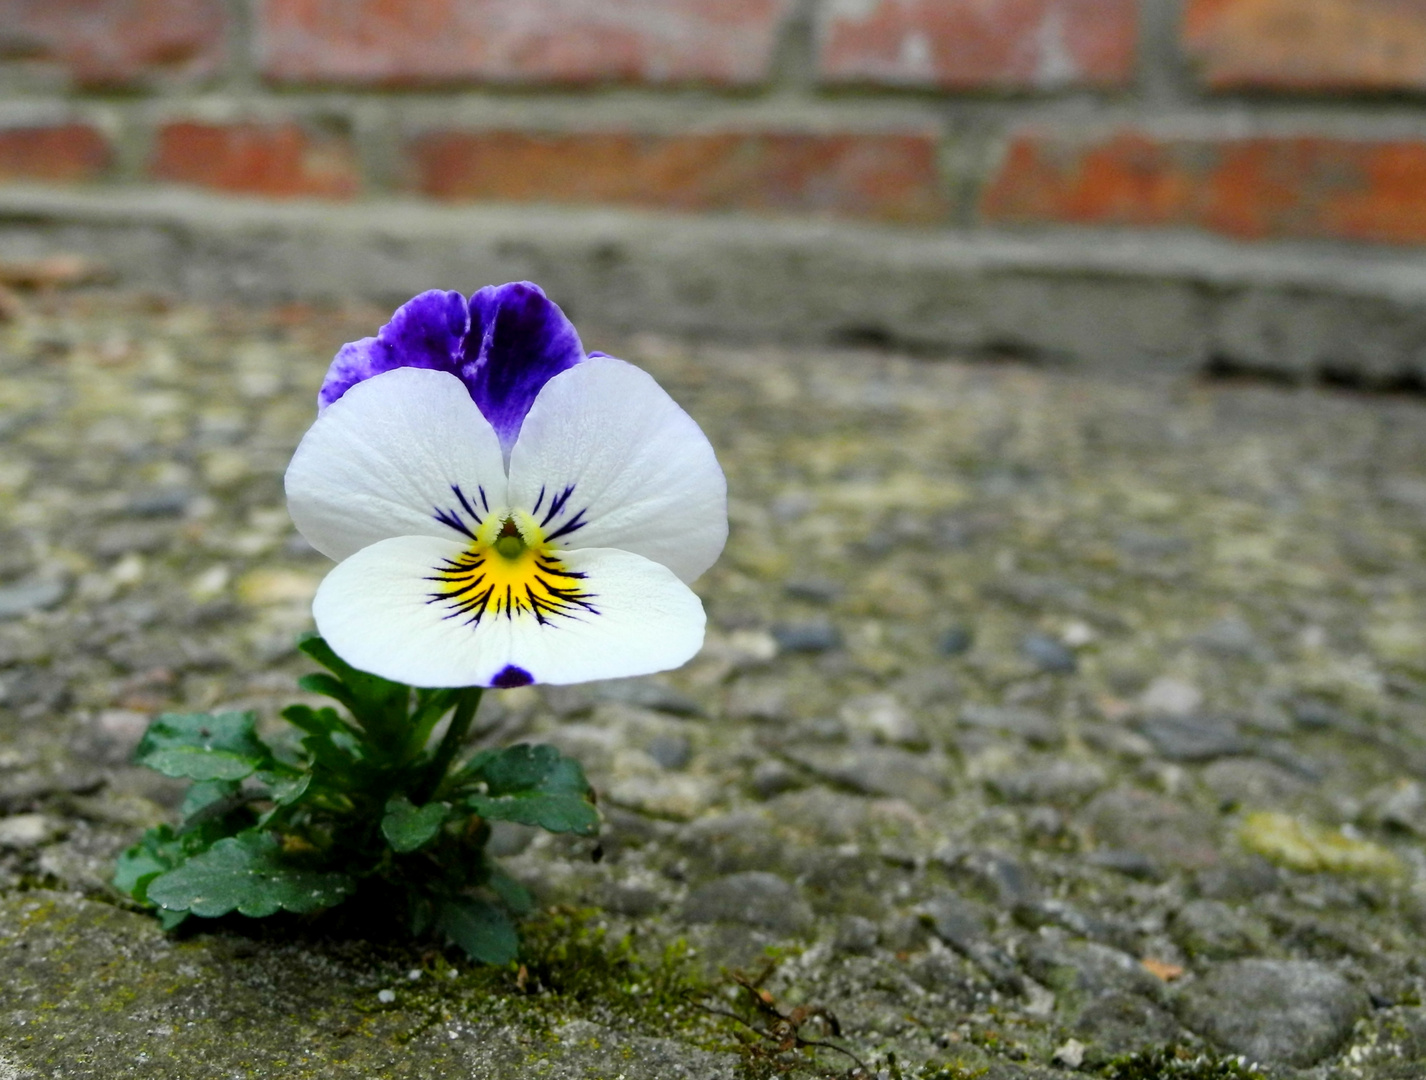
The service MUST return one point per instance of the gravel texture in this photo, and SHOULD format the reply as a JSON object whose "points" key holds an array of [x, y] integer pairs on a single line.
{"points": [[1043, 719]]}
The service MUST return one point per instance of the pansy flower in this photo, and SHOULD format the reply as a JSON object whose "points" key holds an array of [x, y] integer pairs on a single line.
{"points": [[504, 508]]}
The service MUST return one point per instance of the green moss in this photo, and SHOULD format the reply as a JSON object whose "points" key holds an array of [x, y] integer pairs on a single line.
{"points": [[570, 968], [573, 970], [1306, 846], [952, 1071], [1177, 1063]]}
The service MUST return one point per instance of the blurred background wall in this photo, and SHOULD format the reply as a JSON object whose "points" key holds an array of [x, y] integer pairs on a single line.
{"points": [[1293, 130]]}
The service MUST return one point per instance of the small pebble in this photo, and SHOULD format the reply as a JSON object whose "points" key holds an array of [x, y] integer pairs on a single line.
{"points": [[671, 751], [813, 636], [1171, 697], [752, 898], [1044, 821], [1030, 724], [1194, 738], [813, 590], [955, 641], [386, 997], [29, 830], [158, 502], [1291, 1012], [1070, 1054], [1130, 863], [1314, 714], [856, 935], [882, 717], [21, 599], [1230, 637], [773, 778], [1048, 654]]}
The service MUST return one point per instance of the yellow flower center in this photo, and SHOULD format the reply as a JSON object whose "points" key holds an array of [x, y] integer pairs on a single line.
{"points": [[510, 570], [512, 547]]}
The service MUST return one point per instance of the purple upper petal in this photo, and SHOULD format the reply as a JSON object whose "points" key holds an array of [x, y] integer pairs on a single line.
{"points": [[427, 331], [518, 341], [504, 344]]}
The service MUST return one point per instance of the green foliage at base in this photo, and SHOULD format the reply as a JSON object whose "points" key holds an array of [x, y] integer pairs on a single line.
{"points": [[361, 805]]}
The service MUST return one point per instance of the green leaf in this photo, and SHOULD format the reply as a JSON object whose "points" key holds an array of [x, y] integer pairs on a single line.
{"points": [[246, 873], [315, 646], [135, 868], [158, 851], [434, 703], [337, 754], [315, 721], [512, 894], [431, 705], [553, 813], [208, 797], [203, 746], [378, 704], [286, 790], [408, 827], [170, 919], [328, 686], [481, 929], [533, 785], [526, 768]]}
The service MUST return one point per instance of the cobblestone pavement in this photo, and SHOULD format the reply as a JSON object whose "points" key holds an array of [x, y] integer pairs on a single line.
{"points": [[1045, 720]]}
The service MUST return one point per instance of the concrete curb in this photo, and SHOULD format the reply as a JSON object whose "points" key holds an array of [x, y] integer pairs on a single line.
{"points": [[1168, 301]]}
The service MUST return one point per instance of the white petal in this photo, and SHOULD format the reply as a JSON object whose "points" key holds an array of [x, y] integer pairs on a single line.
{"points": [[641, 470], [377, 611], [385, 459]]}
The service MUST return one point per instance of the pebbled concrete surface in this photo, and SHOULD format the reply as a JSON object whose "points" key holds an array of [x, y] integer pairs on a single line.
{"points": [[1045, 717]]}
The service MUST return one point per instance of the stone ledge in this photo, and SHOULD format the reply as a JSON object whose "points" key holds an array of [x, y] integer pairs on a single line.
{"points": [[1167, 301]]}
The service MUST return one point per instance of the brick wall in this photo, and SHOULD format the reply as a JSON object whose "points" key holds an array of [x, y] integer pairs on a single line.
{"points": [[1251, 119]]}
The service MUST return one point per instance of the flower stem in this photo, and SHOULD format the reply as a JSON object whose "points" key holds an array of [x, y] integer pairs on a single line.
{"points": [[467, 702]]}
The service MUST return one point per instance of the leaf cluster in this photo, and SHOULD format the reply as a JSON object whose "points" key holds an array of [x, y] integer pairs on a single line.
{"points": [[358, 801]]}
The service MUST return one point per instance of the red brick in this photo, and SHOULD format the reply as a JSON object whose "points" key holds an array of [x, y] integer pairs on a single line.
{"points": [[405, 42], [1315, 45], [274, 160], [888, 177], [979, 44], [116, 42], [64, 153], [1252, 188]]}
